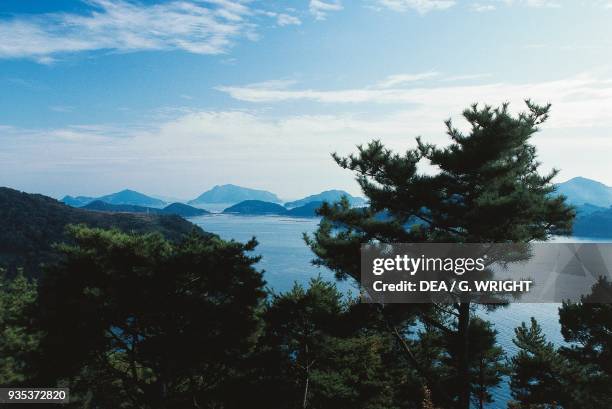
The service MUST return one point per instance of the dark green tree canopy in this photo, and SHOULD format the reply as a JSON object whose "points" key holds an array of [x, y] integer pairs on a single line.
{"points": [[485, 188], [18, 339], [170, 321]]}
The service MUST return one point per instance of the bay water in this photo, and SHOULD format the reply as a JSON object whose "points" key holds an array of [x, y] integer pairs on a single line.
{"points": [[286, 260]]}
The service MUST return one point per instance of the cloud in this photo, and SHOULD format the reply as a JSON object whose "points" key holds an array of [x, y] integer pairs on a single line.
{"points": [[185, 152], [319, 9], [420, 6], [399, 79], [478, 7], [184, 155], [282, 19], [203, 27], [583, 99], [492, 4], [465, 77], [287, 20], [537, 3]]}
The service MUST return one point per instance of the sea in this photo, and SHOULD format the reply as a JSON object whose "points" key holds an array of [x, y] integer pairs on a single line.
{"points": [[287, 260]]}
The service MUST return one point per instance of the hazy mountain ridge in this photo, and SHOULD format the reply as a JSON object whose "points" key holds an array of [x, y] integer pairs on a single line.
{"points": [[123, 197], [591, 198], [593, 221], [77, 201], [256, 207], [178, 209], [330, 196], [220, 194], [580, 190], [184, 210], [307, 210], [233, 194]]}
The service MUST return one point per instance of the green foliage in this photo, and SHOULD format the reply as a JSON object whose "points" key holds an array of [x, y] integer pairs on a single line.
{"points": [[139, 321], [32, 224], [317, 353], [18, 340], [574, 376], [487, 188], [587, 326], [486, 361], [536, 368]]}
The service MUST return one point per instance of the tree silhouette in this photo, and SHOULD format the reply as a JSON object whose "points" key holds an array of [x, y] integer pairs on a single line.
{"points": [[140, 321], [486, 189]]}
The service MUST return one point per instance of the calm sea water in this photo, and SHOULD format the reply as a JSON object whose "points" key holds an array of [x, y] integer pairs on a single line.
{"points": [[287, 260]]}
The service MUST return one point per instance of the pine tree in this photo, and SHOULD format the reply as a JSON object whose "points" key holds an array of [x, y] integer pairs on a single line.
{"points": [[538, 371], [317, 353], [573, 376], [135, 320], [487, 189], [587, 328], [18, 338]]}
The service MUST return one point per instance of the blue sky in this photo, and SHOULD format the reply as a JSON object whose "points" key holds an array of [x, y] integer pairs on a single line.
{"points": [[173, 97]]}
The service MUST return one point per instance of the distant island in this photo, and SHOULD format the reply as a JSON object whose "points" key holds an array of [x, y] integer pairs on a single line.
{"points": [[181, 209], [307, 210], [256, 207], [329, 196], [592, 199], [580, 191], [259, 207], [592, 221], [124, 197], [178, 209], [233, 194], [220, 194]]}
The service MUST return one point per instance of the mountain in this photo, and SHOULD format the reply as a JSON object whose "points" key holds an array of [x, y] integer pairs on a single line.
{"points": [[131, 197], [101, 206], [327, 196], [581, 190], [30, 224], [183, 210], [256, 207], [308, 210], [588, 209], [594, 224], [77, 201], [233, 194], [178, 209], [125, 197]]}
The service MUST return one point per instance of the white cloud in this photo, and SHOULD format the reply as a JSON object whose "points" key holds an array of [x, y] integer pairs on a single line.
{"points": [[282, 19], [420, 6], [465, 77], [527, 3], [184, 154], [202, 27], [480, 8], [580, 101], [287, 20], [541, 3], [319, 9], [399, 79]]}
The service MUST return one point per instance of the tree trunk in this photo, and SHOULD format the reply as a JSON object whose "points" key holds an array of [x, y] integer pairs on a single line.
{"points": [[463, 372], [307, 382], [305, 401]]}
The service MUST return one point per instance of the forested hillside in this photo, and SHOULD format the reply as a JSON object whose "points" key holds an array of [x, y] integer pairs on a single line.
{"points": [[30, 224]]}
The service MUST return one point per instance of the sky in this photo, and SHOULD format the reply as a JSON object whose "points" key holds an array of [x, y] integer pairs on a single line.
{"points": [[173, 97]]}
